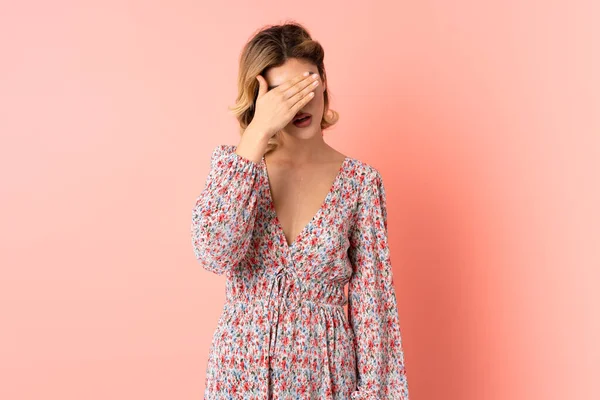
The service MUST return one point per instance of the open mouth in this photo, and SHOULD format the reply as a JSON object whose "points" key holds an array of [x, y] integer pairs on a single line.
{"points": [[301, 116], [302, 120]]}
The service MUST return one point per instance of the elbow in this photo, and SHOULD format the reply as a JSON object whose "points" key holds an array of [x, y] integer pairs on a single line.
{"points": [[206, 244], [217, 247], [211, 256], [211, 264], [216, 256]]}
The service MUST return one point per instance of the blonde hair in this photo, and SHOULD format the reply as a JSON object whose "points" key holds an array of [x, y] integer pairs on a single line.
{"points": [[270, 47]]}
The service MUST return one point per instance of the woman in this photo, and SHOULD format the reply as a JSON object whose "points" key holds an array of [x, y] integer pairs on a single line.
{"points": [[291, 221]]}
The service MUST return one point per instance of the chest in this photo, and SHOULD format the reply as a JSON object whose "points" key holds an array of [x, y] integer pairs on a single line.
{"points": [[298, 196]]}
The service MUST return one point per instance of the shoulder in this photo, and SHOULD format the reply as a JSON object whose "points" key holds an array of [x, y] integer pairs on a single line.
{"points": [[369, 196], [365, 177]]}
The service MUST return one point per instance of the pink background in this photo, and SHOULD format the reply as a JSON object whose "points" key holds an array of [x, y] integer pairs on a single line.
{"points": [[483, 118]]}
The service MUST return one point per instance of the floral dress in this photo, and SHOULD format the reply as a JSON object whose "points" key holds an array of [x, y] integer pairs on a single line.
{"points": [[283, 332]]}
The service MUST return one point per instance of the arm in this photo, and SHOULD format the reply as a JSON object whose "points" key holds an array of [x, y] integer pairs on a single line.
{"points": [[372, 307], [224, 214]]}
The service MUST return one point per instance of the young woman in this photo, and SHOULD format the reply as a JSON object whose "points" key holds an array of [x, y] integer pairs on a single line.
{"points": [[290, 221]]}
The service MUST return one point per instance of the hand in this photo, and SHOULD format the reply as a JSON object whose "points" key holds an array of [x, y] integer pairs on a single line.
{"points": [[277, 107]]}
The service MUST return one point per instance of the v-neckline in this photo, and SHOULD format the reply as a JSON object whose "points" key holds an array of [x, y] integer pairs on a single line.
{"points": [[277, 222]]}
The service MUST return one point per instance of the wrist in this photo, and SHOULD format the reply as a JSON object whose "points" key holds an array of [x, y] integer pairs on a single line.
{"points": [[252, 145], [257, 135]]}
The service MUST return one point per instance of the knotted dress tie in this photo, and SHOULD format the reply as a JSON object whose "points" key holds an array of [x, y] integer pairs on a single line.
{"points": [[278, 298]]}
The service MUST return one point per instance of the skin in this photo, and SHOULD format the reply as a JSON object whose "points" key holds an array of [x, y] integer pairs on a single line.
{"points": [[302, 145], [302, 169]]}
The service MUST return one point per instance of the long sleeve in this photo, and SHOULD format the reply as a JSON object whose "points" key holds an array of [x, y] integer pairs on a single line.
{"points": [[372, 304], [224, 213]]}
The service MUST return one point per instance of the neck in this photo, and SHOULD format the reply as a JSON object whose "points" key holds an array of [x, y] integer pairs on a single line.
{"points": [[301, 151]]}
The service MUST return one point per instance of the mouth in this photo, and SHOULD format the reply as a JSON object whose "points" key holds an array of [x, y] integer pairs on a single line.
{"points": [[301, 117]]}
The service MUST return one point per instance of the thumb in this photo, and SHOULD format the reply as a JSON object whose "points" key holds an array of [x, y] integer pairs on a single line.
{"points": [[262, 89]]}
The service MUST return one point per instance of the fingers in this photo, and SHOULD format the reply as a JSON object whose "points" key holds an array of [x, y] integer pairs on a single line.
{"points": [[305, 94], [295, 85], [301, 99], [262, 88], [305, 85]]}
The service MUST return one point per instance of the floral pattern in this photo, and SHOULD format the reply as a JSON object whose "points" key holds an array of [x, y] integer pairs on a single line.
{"points": [[284, 332]]}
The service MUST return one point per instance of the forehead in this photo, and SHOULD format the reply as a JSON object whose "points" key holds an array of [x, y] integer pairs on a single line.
{"points": [[292, 68]]}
